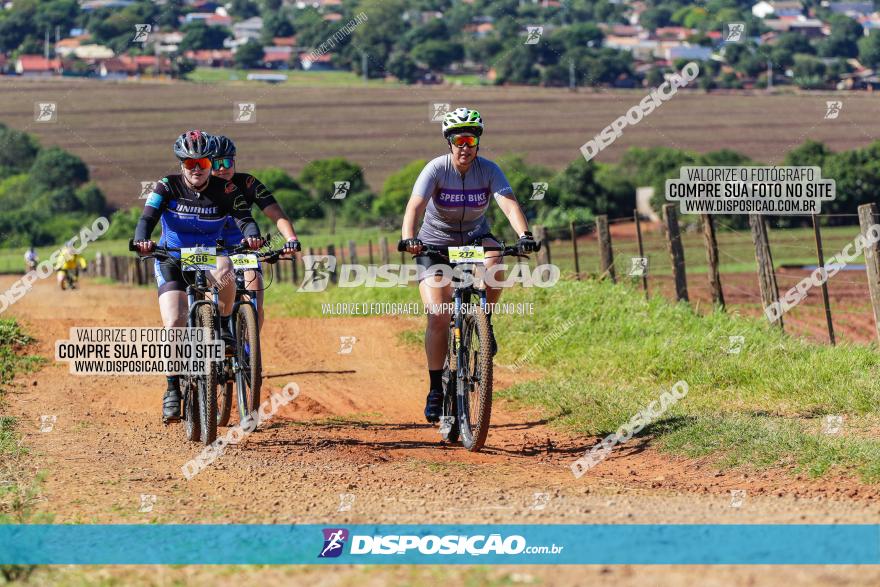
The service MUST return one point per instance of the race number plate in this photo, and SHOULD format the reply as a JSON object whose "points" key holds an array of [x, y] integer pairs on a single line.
{"points": [[245, 261], [198, 258], [466, 255]]}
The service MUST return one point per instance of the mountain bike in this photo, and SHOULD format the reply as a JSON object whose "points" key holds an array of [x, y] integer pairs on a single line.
{"points": [[70, 279], [243, 368], [198, 390], [467, 370]]}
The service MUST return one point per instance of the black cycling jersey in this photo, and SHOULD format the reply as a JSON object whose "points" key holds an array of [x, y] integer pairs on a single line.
{"points": [[190, 218], [254, 193]]}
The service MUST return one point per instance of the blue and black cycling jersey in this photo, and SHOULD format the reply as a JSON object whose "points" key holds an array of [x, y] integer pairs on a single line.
{"points": [[191, 218], [254, 193]]}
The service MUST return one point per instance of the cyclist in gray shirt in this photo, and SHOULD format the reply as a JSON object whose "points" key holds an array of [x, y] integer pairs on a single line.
{"points": [[454, 191]]}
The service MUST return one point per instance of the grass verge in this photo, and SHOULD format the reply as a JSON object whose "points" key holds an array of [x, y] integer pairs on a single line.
{"points": [[19, 487], [605, 353]]}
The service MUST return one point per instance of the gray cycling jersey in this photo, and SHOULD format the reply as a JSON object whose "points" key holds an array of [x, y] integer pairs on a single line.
{"points": [[456, 212]]}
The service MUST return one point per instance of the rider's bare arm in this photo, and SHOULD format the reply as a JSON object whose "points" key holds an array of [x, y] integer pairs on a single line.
{"points": [[514, 214], [415, 208], [282, 222]]}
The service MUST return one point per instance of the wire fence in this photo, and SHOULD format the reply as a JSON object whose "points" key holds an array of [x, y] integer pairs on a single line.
{"points": [[577, 250]]}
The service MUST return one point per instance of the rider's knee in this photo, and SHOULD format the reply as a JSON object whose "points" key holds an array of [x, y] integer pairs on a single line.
{"points": [[438, 321]]}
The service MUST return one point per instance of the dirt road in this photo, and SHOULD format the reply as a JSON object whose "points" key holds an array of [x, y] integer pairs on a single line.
{"points": [[353, 448]]}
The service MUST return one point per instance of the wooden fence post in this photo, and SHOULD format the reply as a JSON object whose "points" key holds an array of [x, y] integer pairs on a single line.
{"points": [[712, 259], [352, 253], [641, 252], [574, 250], [867, 217], [370, 249], [766, 273], [606, 255], [820, 257], [331, 251], [676, 251], [544, 253], [383, 250]]}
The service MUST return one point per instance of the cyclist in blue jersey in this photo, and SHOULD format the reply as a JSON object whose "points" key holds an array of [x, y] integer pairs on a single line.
{"points": [[192, 208], [453, 191], [254, 193]]}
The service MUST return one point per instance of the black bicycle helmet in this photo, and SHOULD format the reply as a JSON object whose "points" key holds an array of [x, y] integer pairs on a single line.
{"points": [[194, 144], [223, 147]]}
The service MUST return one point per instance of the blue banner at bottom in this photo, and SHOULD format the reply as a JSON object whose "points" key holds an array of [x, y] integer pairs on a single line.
{"points": [[440, 544]]}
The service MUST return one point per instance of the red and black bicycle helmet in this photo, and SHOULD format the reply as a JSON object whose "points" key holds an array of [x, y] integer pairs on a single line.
{"points": [[194, 144]]}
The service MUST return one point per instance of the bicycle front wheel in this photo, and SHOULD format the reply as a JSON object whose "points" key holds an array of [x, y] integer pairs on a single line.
{"points": [[475, 380], [249, 375], [207, 382]]}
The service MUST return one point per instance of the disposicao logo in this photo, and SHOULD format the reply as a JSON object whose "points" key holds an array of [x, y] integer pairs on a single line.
{"points": [[334, 541]]}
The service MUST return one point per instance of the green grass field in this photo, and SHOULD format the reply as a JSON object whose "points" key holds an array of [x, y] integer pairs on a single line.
{"points": [[762, 408]]}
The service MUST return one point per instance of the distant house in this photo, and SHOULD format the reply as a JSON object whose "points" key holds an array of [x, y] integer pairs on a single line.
{"points": [[673, 33], [65, 47], [687, 51], [479, 30], [852, 9], [284, 41], [781, 9], [321, 63], [36, 66], [92, 51], [211, 57], [277, 57], [96, 4], [251, 28], [116, 68], [126, 66], [332, 17], [209, 18], [809, 27]]}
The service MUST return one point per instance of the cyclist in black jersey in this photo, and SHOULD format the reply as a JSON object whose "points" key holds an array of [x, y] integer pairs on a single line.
{"points": [[192, 207], [223, 166]]}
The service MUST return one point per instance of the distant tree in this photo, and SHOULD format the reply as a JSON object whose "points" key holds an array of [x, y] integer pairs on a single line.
{"points": [[197, 35], [243, 9], [55, 169], [869, 50], [18, 151], [378, 37], [397, 189], [403, 67], [809, 153], [319, 178], [249, 55], [437, 55], [91, 198], [844, 37], [655, 17]]}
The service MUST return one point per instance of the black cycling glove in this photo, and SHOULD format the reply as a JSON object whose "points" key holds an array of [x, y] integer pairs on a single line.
{"points": [[292, 246], [527, 243]]}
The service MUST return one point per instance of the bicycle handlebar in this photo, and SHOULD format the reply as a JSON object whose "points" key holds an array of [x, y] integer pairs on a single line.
{"points": [[165, 252], [443, 251]]}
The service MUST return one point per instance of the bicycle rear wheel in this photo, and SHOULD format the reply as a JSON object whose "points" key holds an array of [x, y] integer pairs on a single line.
{"points": [[224, 403], [207, 382], [249, 376], [475, 380]]}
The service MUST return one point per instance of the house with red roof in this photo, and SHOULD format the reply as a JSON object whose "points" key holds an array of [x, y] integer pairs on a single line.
{"points": [[37, 66]]}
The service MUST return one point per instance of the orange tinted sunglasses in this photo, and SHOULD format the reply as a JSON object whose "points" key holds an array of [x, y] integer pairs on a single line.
{"points": [[204, 163]]}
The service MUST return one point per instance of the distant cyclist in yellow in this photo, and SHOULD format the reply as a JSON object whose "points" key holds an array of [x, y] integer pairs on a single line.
{"points": [[69, 261]]}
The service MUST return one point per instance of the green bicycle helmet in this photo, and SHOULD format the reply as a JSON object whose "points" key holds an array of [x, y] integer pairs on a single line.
{"points": [[462, 120]]}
